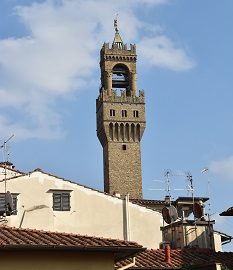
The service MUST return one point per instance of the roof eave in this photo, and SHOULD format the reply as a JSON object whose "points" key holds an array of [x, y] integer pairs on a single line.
{"points": [[120, 253]]}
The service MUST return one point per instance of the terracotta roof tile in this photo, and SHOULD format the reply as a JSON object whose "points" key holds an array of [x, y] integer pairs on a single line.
{"points": [[144, 202], [155, 259], [26, 237]]}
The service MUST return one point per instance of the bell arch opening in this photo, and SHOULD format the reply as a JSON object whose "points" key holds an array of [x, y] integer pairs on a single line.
{"points": [[120, 78]]}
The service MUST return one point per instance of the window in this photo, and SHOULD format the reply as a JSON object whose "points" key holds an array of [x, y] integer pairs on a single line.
{"points": [[61, 201], [124, 113], [135, 114], [124, 147], [2, 203], [112, 112]]}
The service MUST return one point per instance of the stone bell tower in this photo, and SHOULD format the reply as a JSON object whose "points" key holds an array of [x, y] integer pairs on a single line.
{"points": [[120, 112]]}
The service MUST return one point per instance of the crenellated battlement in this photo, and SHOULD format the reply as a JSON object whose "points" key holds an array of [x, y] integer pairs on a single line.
{"points": [[107, 53], [122, 98]]}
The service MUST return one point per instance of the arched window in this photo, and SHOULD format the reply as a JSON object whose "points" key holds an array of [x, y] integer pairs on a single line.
{"points": [[122, 132], [132, 135], [138, 132], [127, 132], [111, 131], [116, 132]]}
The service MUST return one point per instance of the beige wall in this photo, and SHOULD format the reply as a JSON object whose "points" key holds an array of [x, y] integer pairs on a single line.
{"points": [[47, 260], [217, 241], [92, 213]]}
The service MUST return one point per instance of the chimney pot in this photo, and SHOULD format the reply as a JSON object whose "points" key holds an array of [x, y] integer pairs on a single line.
{"points": [[167, 250]]}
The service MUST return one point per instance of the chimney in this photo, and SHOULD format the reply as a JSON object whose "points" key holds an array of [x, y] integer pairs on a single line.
{"points": [[167, 250], [7, 165]]}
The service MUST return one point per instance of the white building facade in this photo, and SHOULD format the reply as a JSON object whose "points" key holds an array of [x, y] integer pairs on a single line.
{"points": [[47, 202]]}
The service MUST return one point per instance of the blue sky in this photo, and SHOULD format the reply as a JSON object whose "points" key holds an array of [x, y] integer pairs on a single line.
{"points": [[49, 80]]}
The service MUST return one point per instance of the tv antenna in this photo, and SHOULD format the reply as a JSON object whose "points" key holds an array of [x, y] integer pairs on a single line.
{"points": [[167, 188], [190, 188], [169, 211], [205, 171], [8, 197], [5, 148]]}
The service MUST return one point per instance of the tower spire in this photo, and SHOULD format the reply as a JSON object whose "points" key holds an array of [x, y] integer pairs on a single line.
{"points": [[117, 42]]}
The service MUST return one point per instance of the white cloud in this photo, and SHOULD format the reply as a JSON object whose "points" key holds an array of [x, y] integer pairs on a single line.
{"points": [[223, 167], [162, 52], [152, 2], [59, 55]]}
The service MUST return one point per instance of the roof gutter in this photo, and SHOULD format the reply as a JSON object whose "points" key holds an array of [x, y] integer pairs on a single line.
{"points": [[128, 265], [74, 248], [128, 251]]}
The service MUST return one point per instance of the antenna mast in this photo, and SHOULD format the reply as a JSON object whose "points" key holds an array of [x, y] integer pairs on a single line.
{"points": [[5, 148], [190, 187], [6, 155], [168, 187], [205, 171]]}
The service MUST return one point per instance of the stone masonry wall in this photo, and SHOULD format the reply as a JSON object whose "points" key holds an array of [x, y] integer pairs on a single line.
{"points": [[123, 169]]}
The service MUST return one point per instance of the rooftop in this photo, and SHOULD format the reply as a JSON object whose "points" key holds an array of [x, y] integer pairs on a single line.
{"points": [[76, 183], [228, 212], [155, 259], [27, 239], [9, 166]]}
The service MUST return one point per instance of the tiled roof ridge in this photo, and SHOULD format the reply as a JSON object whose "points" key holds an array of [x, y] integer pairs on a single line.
{"points": [[185, 249], [188, 249], [107, 241], [147, 201], [75, 183]]}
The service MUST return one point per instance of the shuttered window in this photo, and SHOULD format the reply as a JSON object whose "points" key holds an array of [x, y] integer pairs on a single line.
{"points": [[61, 201], [2, 203]]}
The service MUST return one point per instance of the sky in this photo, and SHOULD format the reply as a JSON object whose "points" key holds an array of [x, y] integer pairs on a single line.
{"points": [[50, 78]]}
